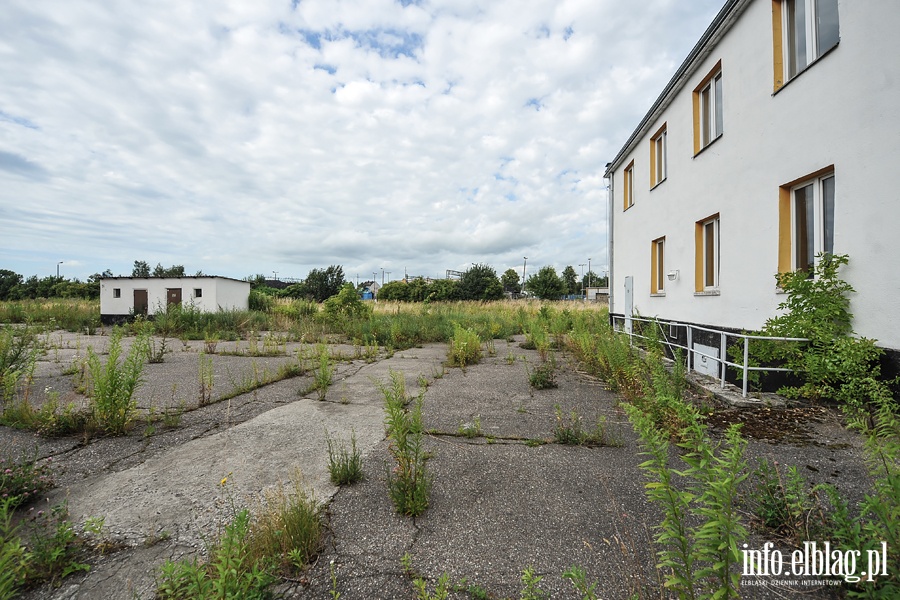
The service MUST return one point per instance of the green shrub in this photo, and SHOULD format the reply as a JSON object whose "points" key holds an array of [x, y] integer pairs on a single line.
{"points": [[288, 529], [344, 464], [13, 557], [113, 385], [782, 502], [21, 481], [465, 347], [409, 482], [346, 304], [230, 573], [543, 376]]}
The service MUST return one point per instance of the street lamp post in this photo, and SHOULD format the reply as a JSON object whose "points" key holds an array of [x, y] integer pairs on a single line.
{"points": [[57, 268], [582, 277], [275, 273], [525, 262], [590, 279]]}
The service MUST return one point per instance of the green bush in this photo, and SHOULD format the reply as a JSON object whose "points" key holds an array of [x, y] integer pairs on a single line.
{"points": [[465, 347], [113, 385], [409, 482], [21, 481]]}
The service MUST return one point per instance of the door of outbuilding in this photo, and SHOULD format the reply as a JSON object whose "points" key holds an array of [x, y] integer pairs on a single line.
{"points": [[140, 302], [173, 296]]}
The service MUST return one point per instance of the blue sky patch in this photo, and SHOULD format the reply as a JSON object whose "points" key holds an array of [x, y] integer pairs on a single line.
{"points": [[4, 116]]}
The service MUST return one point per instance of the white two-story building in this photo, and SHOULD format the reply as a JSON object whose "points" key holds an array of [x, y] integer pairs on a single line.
{"points": [[775, 140]]}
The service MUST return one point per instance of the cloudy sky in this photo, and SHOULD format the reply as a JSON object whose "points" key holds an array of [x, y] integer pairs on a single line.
{"points": [[240, 137]]}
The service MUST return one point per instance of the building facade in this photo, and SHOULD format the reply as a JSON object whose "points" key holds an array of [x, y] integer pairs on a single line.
{"points": [[774, 141], [123, 297]]}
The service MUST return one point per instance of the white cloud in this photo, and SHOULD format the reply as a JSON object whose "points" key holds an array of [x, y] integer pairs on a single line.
{"points": [[239, 137]]}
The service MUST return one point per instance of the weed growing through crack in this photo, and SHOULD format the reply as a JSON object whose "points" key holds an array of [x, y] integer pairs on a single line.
{"points": [[783, 505], [471, 429], [579, 579], [409, 482], [344, 464], [530, 589], [571, 431], [113, 385], [465, 347], [441, 588], [324, 372], [543, 376], [205, 380]]}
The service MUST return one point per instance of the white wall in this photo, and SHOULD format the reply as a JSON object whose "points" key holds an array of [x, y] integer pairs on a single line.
{"points": [[840, 111], [217, 292]]}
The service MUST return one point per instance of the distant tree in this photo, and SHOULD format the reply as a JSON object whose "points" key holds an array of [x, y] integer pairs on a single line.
{"points": [[510, 281], [173, 271], [546, 284], [319, 285], [141, 269], [394, 291], [591, 279], [418, 290], [480, 282], [570, 279], [441, 290], [108, 273], [9, 281], [258, 280]]}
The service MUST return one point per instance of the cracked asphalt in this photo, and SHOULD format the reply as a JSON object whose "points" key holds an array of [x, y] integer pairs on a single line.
{"points": [[502, 501]]}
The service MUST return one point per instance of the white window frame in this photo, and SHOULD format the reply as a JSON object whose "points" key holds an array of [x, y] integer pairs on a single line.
{"points": [[659, 250], [715, 253], [819, 221], [660, 148], [811, 31], [628, 174], [711, 100]]}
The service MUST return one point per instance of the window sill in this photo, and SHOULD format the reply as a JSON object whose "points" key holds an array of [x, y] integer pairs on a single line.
{"points": [[708, 293], [658, 295], [658, 183], [627, 207], [806, 68], [703, 149]]}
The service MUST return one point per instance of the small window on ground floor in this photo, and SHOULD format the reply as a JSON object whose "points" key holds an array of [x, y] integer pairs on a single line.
{"points": [[198, 292], [117, 292], [707, 255]]}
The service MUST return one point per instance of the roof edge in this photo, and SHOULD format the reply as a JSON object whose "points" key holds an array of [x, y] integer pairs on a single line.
{"points": [[721, 24]]}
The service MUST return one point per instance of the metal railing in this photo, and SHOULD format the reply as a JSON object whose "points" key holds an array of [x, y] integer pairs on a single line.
{"points": [[627, 328]]}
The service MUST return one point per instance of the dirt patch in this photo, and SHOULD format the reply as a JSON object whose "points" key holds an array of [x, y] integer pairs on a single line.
{"points": [[796, 426]]}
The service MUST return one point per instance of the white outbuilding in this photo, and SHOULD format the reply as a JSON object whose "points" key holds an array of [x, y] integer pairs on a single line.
{"points": [[122, 298]]}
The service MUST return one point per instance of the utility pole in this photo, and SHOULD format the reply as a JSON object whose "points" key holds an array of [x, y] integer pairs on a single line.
{"points": [[275, 273], [590, 279], [582, 277], [57, 268]]}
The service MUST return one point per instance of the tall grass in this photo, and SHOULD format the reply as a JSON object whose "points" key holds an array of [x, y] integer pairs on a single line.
{"points": [[69, 314]]}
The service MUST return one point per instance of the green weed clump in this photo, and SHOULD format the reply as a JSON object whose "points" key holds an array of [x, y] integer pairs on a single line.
{"points": [[71, 314], [543, 376], [409, 482], [571, 431], [783, 504], [230, 572], [113, 385], [344, 464], [324, 372], [21, 481], [18, 353], [465, 348], [700, 560]]}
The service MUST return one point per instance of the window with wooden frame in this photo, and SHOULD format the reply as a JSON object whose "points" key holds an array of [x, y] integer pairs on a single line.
{"points": [[806, 221], [708, 113], [802, 31], [658, 266], [658, 160], [117, 292], [628, 186], [706, 255]]}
